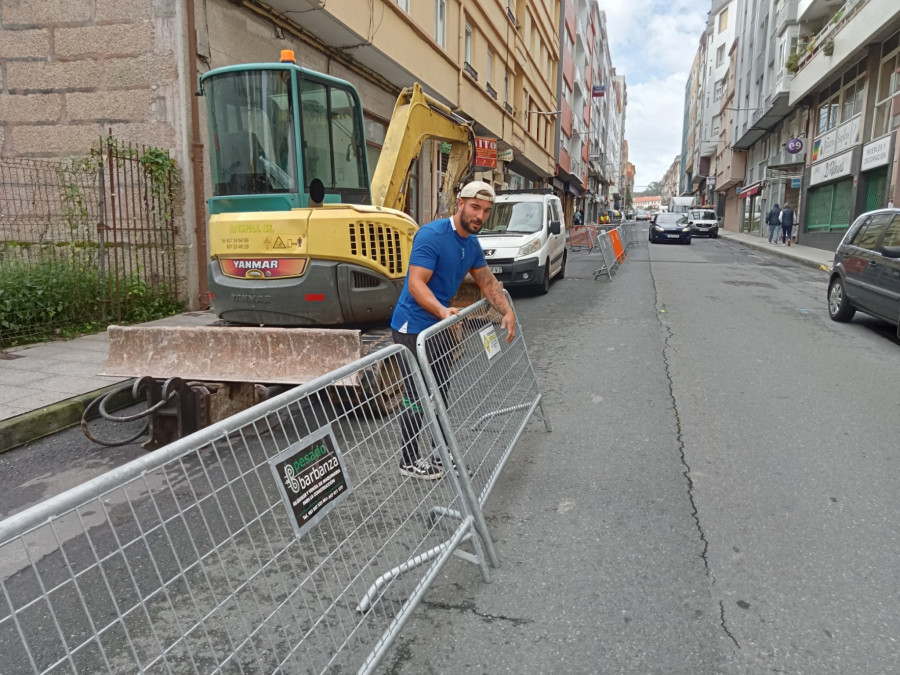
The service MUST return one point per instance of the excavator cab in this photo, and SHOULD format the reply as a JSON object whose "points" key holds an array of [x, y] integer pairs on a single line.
{"points": [[276, 128]]}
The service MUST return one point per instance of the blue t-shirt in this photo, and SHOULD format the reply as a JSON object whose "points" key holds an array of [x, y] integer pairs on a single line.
{"points": [[438, 247]]}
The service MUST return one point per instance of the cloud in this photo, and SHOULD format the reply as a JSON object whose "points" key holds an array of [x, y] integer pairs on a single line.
{"points": [[653, 43]]}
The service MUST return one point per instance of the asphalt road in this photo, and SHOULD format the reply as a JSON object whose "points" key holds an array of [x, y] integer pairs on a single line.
{"points": [[719, 493]]}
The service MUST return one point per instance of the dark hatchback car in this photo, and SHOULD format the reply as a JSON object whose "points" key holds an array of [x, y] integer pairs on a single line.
{"points": [[866, 271], [672, 227]]}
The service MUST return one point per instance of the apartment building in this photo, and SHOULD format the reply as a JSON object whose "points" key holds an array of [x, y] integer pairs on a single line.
{"points": [[848, 78], [809, 114], [709, 78], [671, 179]]}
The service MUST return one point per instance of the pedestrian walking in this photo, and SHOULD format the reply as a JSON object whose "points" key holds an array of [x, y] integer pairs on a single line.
{"points": [[773, 218], [443, 251], [787, 224]]}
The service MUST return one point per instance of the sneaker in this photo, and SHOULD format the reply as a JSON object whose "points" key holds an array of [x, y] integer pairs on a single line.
{"points": [[421, 468], [789, 242], [436, 461]]}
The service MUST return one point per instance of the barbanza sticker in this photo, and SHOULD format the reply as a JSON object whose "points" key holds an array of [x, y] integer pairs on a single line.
{"points": [[490, 341]]}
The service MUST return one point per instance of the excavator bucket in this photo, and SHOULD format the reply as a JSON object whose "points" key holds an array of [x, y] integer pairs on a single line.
{"points": [[230, 354]]}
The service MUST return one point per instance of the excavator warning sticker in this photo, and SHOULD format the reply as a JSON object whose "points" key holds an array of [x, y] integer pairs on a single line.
{"points": [[490, 341], [312, 478], [279, 243]]}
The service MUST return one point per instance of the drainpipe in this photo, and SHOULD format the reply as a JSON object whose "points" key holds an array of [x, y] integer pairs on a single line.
{"points": [[197, 165]]}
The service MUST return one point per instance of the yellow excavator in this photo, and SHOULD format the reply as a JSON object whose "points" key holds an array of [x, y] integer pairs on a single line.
{"points": [[303, 246]]}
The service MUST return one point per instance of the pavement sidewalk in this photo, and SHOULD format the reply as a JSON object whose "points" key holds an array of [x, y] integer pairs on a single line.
{"points": [[46, 387]]}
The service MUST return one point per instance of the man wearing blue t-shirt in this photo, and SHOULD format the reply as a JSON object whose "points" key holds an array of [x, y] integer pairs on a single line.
{"points": [[443, 252]]}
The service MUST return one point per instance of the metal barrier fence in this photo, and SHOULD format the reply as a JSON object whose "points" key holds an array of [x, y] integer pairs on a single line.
{"points": [[488, 391], [280, 540], [610, 261], [583, 237]]}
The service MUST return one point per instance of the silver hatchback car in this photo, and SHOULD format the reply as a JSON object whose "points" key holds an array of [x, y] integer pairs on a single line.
{"points": [[865, 275]]}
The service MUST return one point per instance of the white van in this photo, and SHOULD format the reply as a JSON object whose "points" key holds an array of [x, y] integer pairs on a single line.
{"points": [[524, 239]]}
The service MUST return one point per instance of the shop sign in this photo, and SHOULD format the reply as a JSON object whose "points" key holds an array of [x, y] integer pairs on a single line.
{"points": [[486, 152], [847, 134], [794, 146], [831, 168], [505, 155], [875, 153]]}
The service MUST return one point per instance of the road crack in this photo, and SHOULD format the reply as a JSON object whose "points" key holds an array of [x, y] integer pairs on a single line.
{"points": [[695, 514]]}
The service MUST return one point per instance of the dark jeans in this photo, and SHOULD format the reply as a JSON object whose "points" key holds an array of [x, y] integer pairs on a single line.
{"points": [[786, 233], [437, 349]]}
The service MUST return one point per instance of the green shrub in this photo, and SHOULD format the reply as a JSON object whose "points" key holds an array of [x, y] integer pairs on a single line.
{"points": [[53, 299]]}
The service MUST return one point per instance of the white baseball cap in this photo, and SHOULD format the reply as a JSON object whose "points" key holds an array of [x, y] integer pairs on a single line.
{"points": [[478, 189]]}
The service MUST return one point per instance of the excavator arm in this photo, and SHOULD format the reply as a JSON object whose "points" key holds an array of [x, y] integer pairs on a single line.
{"points": [[418, 117]]}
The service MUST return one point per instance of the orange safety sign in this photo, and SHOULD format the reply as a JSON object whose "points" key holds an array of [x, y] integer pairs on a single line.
{"points": [[617, 245]]}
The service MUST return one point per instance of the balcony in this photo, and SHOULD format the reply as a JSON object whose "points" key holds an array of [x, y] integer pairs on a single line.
{"points": [[851, 28], [731, 169], [470, 71], [491, 91]]}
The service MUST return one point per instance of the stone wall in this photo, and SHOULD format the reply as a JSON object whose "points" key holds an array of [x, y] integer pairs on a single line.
{"points": [[71, 70]]}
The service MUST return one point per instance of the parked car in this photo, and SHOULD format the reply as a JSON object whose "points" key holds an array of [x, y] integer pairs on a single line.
{"points": [[704, 221], [670, 227], [524, 239], [642, 215], [865, 275]]}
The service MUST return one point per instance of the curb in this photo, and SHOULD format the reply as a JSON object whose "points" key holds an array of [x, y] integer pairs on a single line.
{"points": [[31, 426]]}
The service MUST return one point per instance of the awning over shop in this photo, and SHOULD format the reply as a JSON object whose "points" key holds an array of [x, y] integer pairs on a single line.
{"points": [[750, 190]]}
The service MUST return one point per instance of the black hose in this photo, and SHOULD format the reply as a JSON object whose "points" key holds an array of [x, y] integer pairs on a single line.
{"points": [[101, 402]]}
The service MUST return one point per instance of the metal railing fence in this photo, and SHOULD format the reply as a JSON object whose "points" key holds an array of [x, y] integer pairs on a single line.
{"points": [[85, 239], [280, 540], [488, 391]]}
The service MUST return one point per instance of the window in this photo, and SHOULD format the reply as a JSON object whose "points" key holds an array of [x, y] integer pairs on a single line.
{"points": [[506, 88], [404, 5], [720, 55], [720, 89], [723, 19], [892, 236], [440, 22], [870, 234], [490, 67], [887, 94], [468, 44]]}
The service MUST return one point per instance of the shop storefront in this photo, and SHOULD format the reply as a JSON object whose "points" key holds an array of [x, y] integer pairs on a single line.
{"points": [[751, 211], [830, 199], [876, 158]]}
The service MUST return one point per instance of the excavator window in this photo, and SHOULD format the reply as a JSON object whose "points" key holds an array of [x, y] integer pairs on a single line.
{"points": [[333, 139], [252, 132]]}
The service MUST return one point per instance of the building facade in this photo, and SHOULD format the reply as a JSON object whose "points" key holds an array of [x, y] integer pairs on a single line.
{"points": [[77, 69], [808, 114]]}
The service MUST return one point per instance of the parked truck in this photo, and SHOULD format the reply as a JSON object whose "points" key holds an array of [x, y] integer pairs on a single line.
{"points": [[680, 204]]}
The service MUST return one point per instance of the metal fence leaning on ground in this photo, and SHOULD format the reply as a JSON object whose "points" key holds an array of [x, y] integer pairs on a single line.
{"points": [[281, 540], [611, 261], [488, 390]]}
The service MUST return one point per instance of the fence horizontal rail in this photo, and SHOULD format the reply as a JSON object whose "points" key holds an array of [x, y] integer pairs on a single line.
{"points": [[283, 539]]}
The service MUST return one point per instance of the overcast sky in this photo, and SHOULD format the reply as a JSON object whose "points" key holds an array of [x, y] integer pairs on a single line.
{"points": [[653, 42]]}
